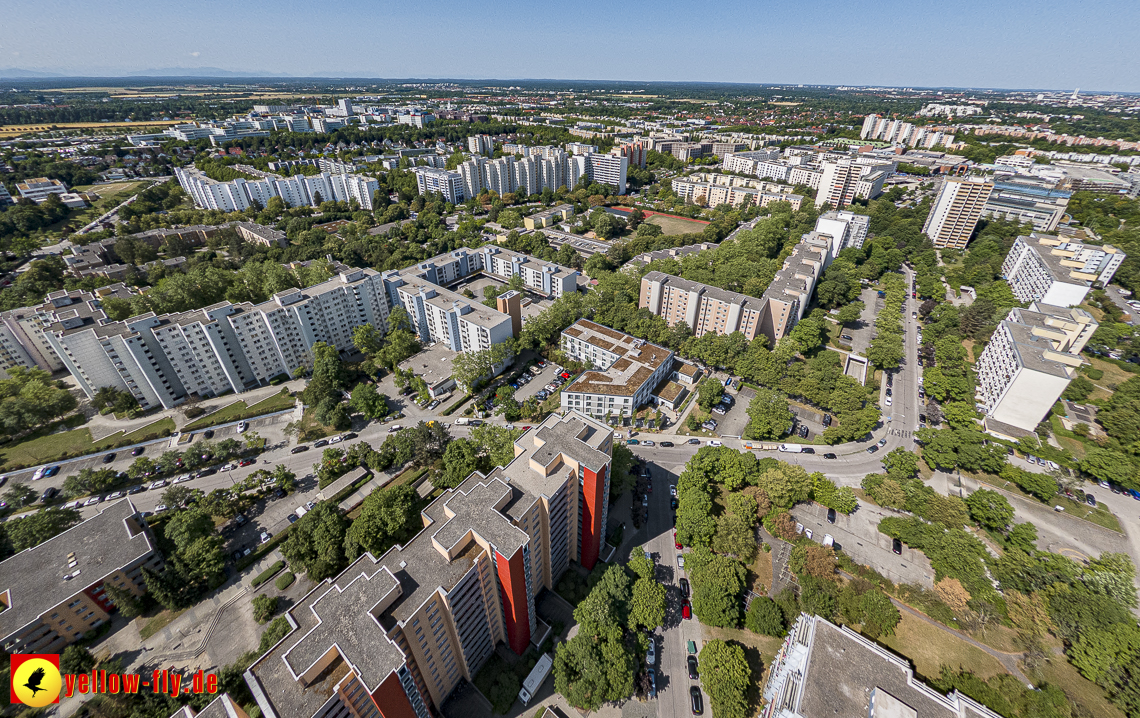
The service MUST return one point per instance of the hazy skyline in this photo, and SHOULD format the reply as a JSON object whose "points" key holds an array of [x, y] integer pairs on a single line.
{"points": [[1017, 44]]}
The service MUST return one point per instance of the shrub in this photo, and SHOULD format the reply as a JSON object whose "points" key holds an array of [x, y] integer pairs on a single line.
{"points": [[285, 580], [267, 574], [264, 606], [765, 617], [1094, 374]]}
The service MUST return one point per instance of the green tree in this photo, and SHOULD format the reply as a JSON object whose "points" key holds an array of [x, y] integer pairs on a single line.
{"points": [[647, 604], [264, 606], [768, 414], [726, 677], [186, 527], [367, 340], [124, 599], [459, 461], [879, 615], [718, 582], [369, 402], [316, 543], [386, 516], [786, 485], [765, 617], [76, 660], [990, 509], [709, 394]]}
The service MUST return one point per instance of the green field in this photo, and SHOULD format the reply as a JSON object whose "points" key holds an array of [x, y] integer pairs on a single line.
{"points": [[673, 225], [50, 447]]}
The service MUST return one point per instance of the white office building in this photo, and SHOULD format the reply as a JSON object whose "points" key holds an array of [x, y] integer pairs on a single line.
{"points": [[1033, 355], [449, 184], [1053, 270]]}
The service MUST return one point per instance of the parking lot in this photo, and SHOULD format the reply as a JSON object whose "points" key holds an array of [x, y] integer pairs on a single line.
{"points": [[536, 384], [811, 418], [858, 536], [862, 334], [736, 420]]}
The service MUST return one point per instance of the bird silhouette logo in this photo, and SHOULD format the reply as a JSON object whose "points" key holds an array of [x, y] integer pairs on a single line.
{"points": [[36, 681]]}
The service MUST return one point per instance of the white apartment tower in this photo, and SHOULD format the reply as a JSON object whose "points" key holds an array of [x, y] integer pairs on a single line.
{"points": [[838, 183], [1052, 270], [449, 184], [956, 211], [846, 229], [481, 145]]}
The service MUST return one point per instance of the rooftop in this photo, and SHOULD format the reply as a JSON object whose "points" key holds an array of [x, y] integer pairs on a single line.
{"points": [[40, 578], [637, 360]]}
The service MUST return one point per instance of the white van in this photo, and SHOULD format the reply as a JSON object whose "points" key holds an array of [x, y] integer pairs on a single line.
{"points": [[791, 448], [462, 421]]}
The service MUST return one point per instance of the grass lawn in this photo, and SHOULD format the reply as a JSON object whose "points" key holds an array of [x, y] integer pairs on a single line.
{"points": [[929, 648], [1080, 690], [241, 410], [1113, 377], [968, 344], [156, 623], [311, 429], [760, 572], [42, 449], [673, 225]]}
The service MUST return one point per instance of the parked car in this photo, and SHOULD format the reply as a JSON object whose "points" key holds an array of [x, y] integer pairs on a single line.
{"points": [[696, 702], [208, 433], [827, 419], [831, 516], [265, 536], [829, 455], [692, 663], [1090, 500], [108, 458], [242, 426], [872, 449], [685, 587], [137, 450], [667, 444], [882, 443], [896, 546], [714, 442], [321, 442], [651, 654], [292, 518], [680, 560], [298, 449], [51, 471], [672, 489], [647, 442], [632, 442], [686, 610], [695, 442]]}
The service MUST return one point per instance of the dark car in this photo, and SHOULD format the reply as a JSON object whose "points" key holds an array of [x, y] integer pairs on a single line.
{"points": [[831, 516], [872, 449], [696, 702], [349, 435], [830, 456], [136, 489], [298, 449], [896, 546], [827, 419], [208, 433], [49, 494], [685, 587], [803, 432], [51, 471], [108, 458], [667, 444], [807, 450], [846, 337], [695, 442], [322, 442], [692, 661], [1090, 500], [206, 472], [673, 503], [292, 518], [137, 450]]}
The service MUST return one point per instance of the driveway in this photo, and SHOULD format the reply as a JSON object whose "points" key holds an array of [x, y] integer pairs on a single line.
{"points": [[736, 420]]}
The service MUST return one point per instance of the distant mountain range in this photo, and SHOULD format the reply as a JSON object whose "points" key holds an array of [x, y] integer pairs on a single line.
{"points": [[16, 72]]}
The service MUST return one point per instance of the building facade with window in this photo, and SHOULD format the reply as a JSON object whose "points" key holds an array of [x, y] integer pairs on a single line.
{"points": [[393, 635], [626, 370]]}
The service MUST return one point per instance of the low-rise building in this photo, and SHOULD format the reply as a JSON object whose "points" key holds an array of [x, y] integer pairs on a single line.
{"points": [[711, 194], [549, 217], [37, 189], [260, 234], [626, 372], [394, 635], [53, 593], [1055, 270], [1025, 199], [824, 670], [1033, 355]]}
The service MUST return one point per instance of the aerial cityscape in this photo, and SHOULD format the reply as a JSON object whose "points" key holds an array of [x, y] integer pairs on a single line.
{"points": [[332, 396]]}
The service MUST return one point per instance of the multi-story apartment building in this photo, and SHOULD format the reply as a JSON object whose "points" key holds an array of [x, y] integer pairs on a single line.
{"points": [[1053, 270], [440, 315], [846, 229], [748, 162], [5, 197], [551, 170], [840, 182], [299, 191], [1027, 199], [711, 194], [580, 148], [706, 309], [393, 635], [161, 360], [53, 593], [636, 152], [481, 145], [956, 211], [672, 253], [1033, 355], [805, 175], [898, 132], [23, 341], [829, 670], [626, 370], [449, 184], [722, 149]]}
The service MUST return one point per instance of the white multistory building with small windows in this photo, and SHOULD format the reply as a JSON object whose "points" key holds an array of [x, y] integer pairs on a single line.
{"points": [[626, 371], [1055, 270]]}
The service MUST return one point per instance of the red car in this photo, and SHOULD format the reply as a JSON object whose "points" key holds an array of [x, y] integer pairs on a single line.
{"points": [[247, 462], [564, 375], [686, 610]]}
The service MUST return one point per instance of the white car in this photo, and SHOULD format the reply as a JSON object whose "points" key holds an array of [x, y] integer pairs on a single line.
{"points": [[160, 483], [160, 508], [672, 490], [181, 479], [807, 532], [889, 402], [265, 537], [714, 442], [648, 443], [680, 560], [93, 500], [335, 440], [242, 426]]}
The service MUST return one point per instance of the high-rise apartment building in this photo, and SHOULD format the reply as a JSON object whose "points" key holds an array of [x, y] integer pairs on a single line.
{"points": [[706, 309], [537, 173], [299, 191], [956, 211], [447, 183], [481, 145], [636, 152], [54, 593], [846, 229], [1033, 355], [394, 635], [837, 183], [1053, 270]]}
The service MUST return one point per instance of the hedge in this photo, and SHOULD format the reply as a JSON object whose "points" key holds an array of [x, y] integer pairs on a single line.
{"points": [[267, 574], [285, 580], [1094, 374], [455, 407]]}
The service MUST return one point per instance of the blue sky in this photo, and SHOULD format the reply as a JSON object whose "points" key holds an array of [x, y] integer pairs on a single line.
{"points": [[962, 43]]}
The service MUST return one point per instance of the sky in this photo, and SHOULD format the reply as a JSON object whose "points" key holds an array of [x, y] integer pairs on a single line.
{"points": [[1038, 44]]}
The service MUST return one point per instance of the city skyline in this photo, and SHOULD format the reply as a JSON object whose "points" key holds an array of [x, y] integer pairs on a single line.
{"points": [[761, 45]]}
